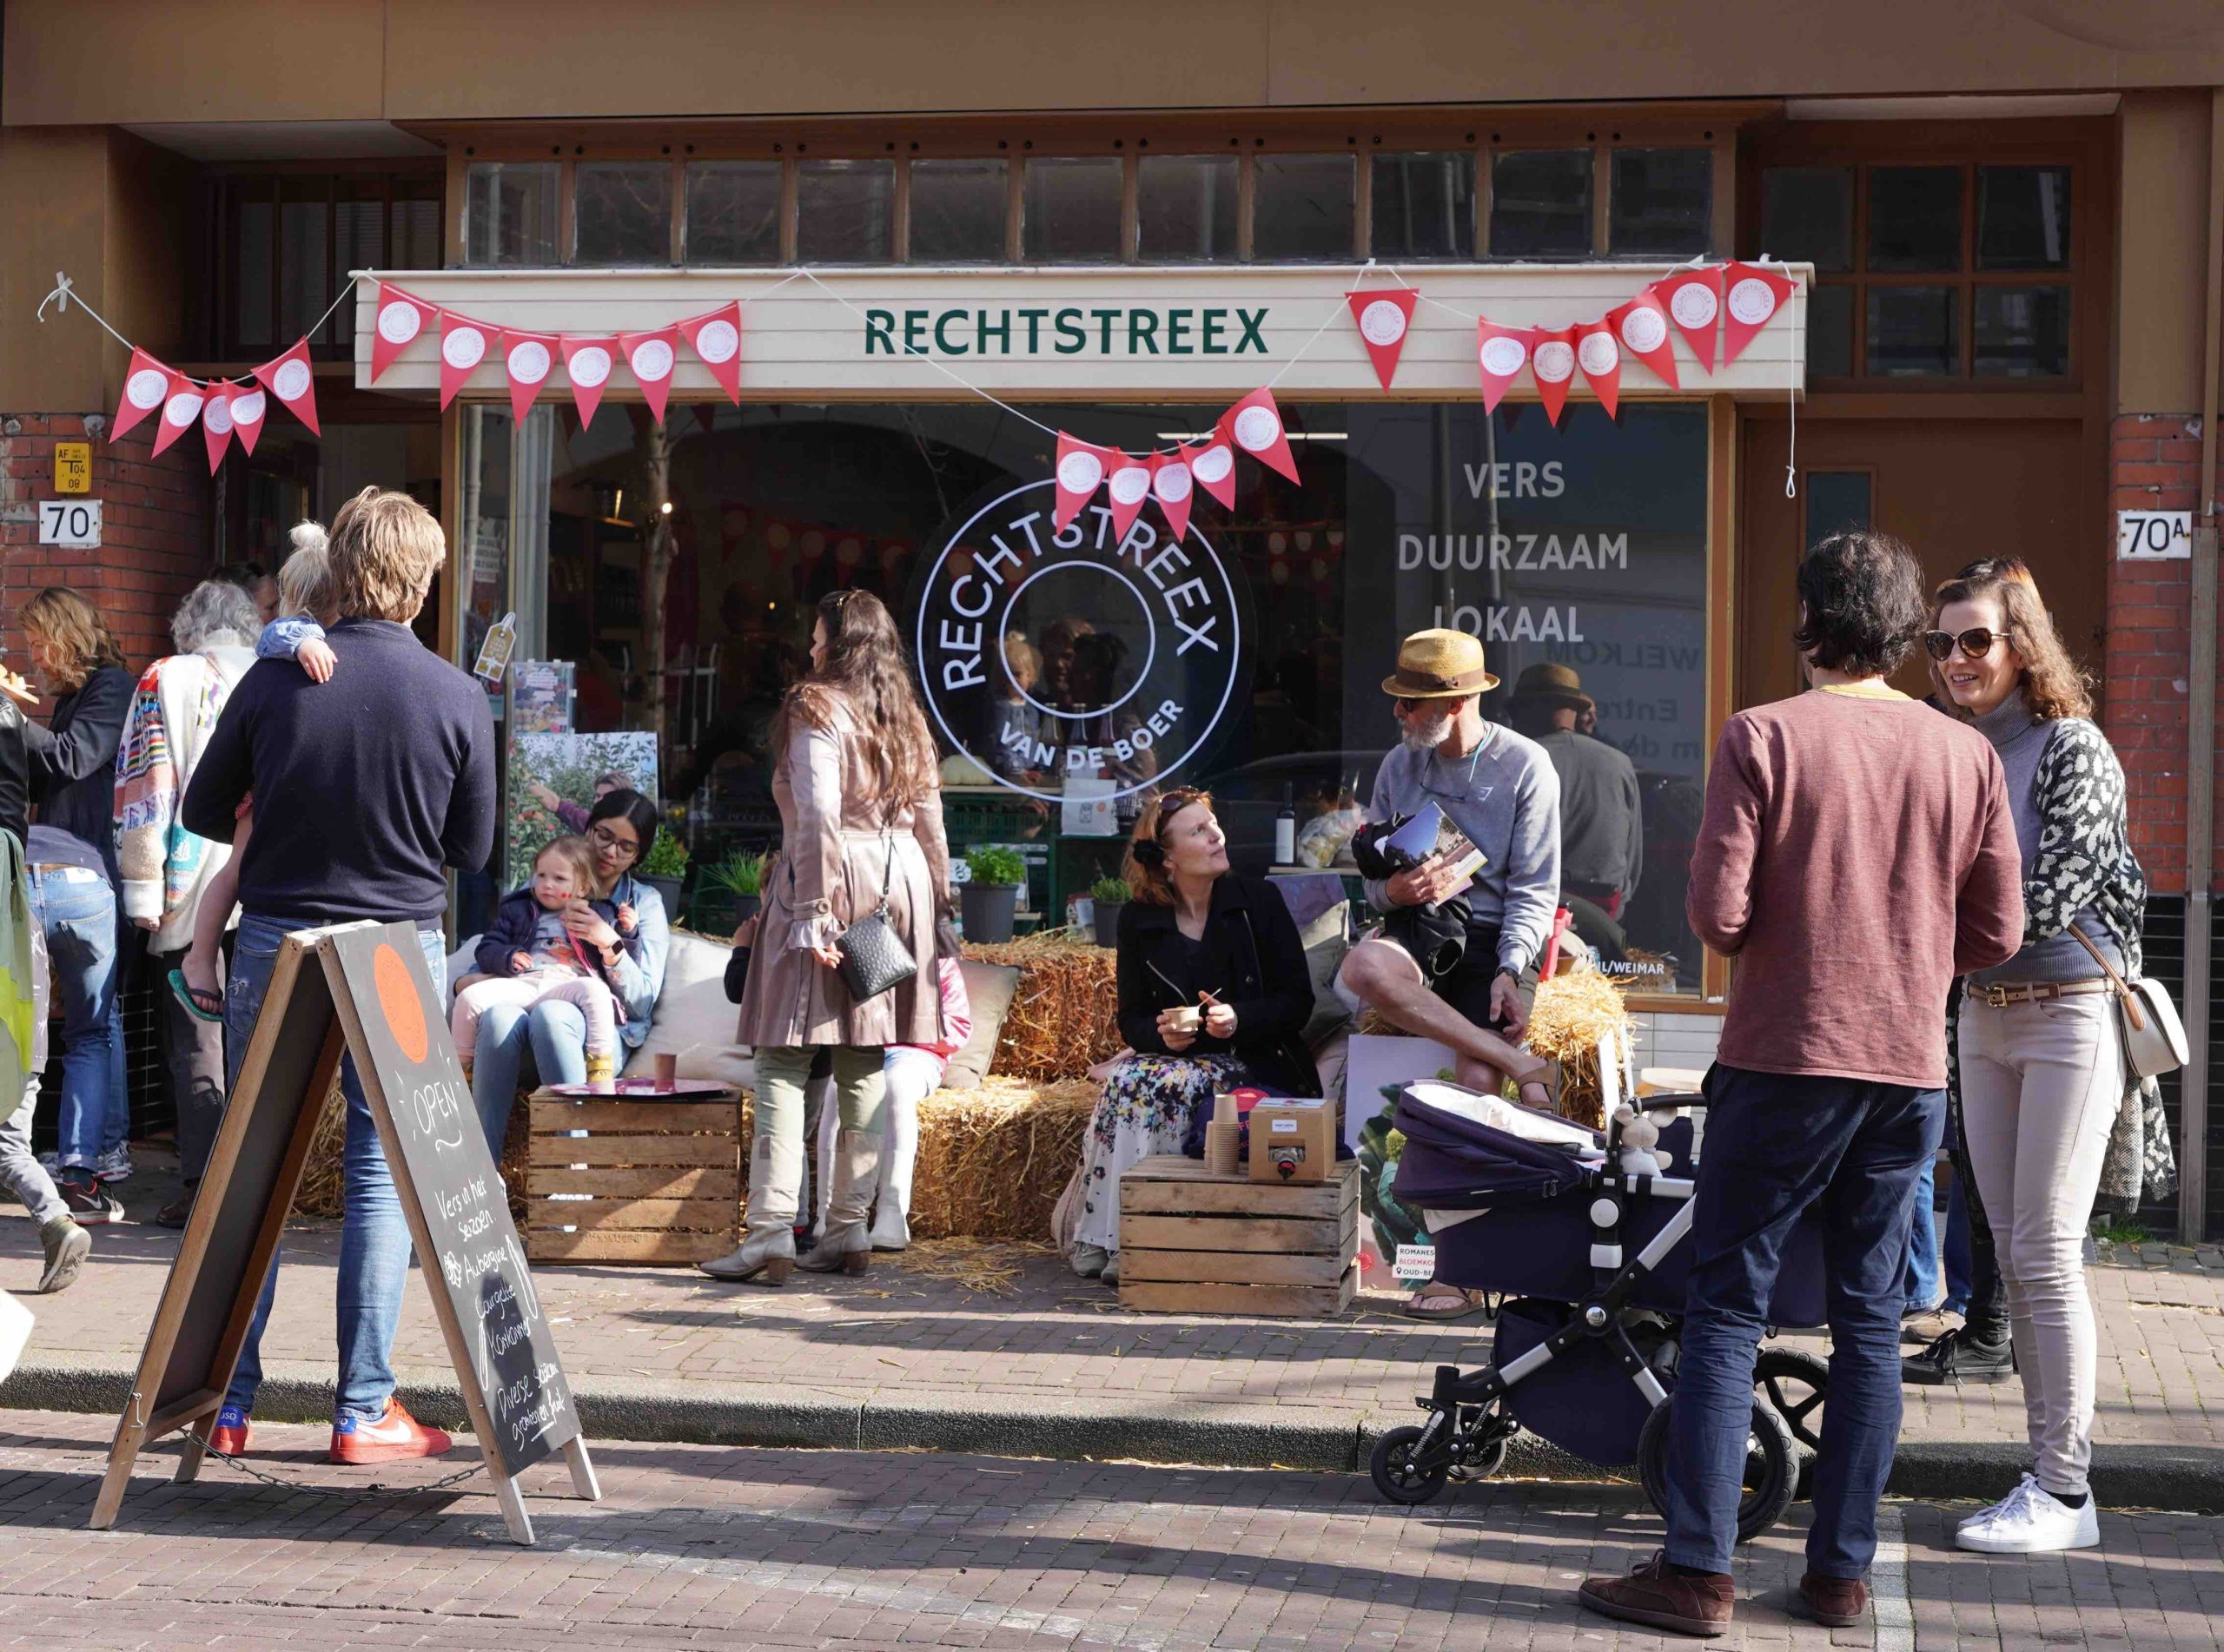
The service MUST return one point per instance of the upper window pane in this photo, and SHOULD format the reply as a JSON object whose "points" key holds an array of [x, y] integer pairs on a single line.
{"points": [[1540, 204], [510, 213], [958, 209], [304, 273], [1424, 206], [733, 212], [1914, 332], [253, 228], [2022, 217], [1185, 206], [1807, 216], [845, 212], [417, 228], [1662, 201], [1071, 211], [2022, 331], [621, 213], [1302, 208], [1915, 218]]}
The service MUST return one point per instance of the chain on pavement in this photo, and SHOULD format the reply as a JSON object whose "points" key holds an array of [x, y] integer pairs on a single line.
{"points": [[372, 1489]]}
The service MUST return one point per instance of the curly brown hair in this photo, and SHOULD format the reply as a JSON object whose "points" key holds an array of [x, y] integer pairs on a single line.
{"points": [[2054, 684], [70, 634], [866, 666], [1149, 880]]}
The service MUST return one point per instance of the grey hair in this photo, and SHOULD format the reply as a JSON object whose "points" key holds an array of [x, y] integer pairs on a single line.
{"points": [[214, 612], [305, 536]]}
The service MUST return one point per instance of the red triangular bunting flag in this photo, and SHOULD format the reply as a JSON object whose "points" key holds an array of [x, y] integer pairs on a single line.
{"points": [[464, 345], [716, 339], [1755, 293], [1174, 488], [1600, 358], [180, 408], [1500, 353], [1694, 300], [1384, 316], [401, 318], [249, 403], [216, 422], [587, 363], [1641, 325], [1552, 360], [652, 356], [1080, 473], [1212, 465], [146, 387], [527, 360], [1256, 424], [288, 377], [1130, 482]]}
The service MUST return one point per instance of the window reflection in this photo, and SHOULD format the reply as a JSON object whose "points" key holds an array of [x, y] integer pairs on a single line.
{"points": [[510, 213], [845, 212]]}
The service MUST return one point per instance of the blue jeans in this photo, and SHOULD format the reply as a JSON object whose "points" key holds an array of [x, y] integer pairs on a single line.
{"points": [[375, 1241], [554, 1034], [1775, 1145], [1959, 1263], [1923, 1287], [75, 909]]}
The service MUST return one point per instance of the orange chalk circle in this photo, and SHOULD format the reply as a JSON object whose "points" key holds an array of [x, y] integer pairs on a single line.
{"points": [[399, 1003]]}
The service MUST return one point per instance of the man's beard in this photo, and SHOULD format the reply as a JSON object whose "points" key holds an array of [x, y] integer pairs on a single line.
{"points": [[1426, 734]]}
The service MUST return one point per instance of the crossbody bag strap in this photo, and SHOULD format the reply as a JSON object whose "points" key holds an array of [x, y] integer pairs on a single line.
{"points": [[2134, 1011]]}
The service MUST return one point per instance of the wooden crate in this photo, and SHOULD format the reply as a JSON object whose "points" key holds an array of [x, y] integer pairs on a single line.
{"points": [[660, 1179], [1192, 1242]]}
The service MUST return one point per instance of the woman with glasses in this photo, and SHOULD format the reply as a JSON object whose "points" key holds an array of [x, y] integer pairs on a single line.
{"points": [[1214, 993], [2040, 1056], [620, 827]]}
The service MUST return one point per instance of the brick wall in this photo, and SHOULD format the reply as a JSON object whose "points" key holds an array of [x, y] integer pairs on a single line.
{"points": [[155, 530]]}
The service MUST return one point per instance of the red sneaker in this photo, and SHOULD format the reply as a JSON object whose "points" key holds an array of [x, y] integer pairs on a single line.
{"points": [[228, 1438], [395, 1436]]}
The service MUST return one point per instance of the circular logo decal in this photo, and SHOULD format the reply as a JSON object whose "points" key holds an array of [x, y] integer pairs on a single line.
{"points": [[1130, 485], [1212, 466], [216, 416], [1503, 357], [1643, 329], [716, 341], [1171, 483], [146, 388], [651, 359], [1382, 322], [292, 380], [1141, 643], [462, 349], [1555, 361], [247, 407], [182, 408], [1080, 471], [1693, 305], [590, 365], [1257, 429], [1599, 354], [529, 361], [1752, 301], [400, 322], [399, 1003]]}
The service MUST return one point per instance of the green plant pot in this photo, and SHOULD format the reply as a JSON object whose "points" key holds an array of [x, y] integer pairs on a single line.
{"points": [[1107, 923], [988, 909]]}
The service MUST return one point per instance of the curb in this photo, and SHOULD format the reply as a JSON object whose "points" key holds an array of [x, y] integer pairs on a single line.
{"points": [[2188, 1478]]}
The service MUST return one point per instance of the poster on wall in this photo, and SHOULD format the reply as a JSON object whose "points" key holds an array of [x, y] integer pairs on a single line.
{"points": [[554, 780]]}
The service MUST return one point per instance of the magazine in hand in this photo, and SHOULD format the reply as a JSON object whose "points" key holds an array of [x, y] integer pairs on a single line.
{"points": [[1430, 832]]}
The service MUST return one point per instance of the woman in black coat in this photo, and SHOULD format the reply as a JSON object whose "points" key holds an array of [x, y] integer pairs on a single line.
{"points": [[1213, 994]]}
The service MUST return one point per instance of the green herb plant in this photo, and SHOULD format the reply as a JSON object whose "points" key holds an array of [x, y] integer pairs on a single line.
{"points": [[995, 867], [741, 874], [667, 856], [1109, 891]]}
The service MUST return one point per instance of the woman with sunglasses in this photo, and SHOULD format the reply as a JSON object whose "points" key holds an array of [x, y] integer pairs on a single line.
{"points": [[2040, 1058], [1214, 992]]}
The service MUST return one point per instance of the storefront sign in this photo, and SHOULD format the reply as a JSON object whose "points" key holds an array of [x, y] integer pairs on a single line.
{"points": [[1120, 329]]}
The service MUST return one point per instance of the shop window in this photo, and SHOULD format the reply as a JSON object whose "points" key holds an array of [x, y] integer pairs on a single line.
{"points": [[290, 240], [1185, 208], [2022, 331], [510, 213], [1912, 332], [1829, 332], [1424, 206], [845, 212], [1303, 209], [958, 211], [255, 261], [1540, 204], [1837, 501], [1070, 210], [2022, 217], [621, 213], [1661, 203], [733, 212], [1915, 219]]}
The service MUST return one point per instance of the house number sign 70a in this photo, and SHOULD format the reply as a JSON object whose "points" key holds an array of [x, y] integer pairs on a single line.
{"points": [[2154, 536]]}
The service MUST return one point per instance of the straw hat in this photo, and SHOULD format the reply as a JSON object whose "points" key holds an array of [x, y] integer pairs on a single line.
{"points": [[1549, 684], [1438, 666]]}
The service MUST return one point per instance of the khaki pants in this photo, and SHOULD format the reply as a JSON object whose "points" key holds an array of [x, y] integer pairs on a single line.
{"points": [[781, 1077]]}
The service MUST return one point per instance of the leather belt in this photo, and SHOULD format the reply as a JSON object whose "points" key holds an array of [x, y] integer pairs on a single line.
{"points": [[2000, 996]]}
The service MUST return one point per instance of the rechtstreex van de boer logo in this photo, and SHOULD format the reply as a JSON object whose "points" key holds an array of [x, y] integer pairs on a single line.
{"points": [[1049, 654]]}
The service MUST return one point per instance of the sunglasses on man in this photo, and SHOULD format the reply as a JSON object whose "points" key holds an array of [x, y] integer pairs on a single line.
{"points": [[1974, 643]]}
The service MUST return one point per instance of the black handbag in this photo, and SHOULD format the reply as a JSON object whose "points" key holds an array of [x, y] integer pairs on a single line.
{"points": [[874, 958]]}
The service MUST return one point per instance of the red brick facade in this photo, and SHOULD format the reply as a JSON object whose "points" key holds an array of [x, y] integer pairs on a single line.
{"points": [[155, 530]]}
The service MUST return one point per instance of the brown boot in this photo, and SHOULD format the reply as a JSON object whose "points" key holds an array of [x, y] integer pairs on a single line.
{"points": [[1838, 1603], [1662, 1599]]}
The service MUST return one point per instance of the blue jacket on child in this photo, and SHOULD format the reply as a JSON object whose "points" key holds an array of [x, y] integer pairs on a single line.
{"points": [[511, 932]]}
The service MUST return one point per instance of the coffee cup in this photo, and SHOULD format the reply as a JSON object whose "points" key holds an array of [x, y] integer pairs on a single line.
{"points": [[667, 1071], [1185, 1019]]}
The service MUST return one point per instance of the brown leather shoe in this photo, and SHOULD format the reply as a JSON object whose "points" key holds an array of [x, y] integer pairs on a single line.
{"points": [[1661, 1599], [1839, 1603]]}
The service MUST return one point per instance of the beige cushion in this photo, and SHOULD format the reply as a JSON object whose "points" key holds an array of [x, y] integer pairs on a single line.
{"points": [[1326, 940], [692, 1019], [989, 989]]}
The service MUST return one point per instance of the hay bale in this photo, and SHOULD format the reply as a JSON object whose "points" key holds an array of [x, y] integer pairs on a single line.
{"points": [[1065, 1015], [321, 1193]]}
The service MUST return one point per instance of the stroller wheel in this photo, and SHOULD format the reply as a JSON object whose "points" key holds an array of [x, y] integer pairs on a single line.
{"points": [[1398, 1471], [1772, 1465], [1796, 1383]]}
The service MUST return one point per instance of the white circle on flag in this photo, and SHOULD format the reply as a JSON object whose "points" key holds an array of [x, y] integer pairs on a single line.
{"points": [[217, 416], [590, 366], [1693, 305], [1645, 329], [1555, 361], [1752, 300], [1503, 357], [652, 361], [248, 408], [462, 349], [1170, 483], [1212, 466], [1257, 429], [146, 388], [182, 408], [1130, 483], [529, 363], [1599, 354], [1080, 471], [716, 342], [291, 381], [399, 322], [1382, 322]]}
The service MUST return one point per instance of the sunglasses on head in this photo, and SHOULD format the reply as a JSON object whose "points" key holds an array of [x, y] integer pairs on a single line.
{"points": [[1974, 643]]}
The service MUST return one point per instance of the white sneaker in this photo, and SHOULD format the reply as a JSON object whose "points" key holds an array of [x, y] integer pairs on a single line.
{"points": [[1996, 1510], [2037, 1525]]}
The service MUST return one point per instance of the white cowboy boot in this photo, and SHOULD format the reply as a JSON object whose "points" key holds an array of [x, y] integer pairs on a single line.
{"points": [[775, 1179], [847, 1248], [891, 1212]]}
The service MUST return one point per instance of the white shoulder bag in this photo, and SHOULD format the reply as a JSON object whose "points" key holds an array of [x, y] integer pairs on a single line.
{"points": [[2154, 1037]]}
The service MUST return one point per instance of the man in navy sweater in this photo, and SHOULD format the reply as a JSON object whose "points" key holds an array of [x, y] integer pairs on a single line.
{"points": [[362, 789]]}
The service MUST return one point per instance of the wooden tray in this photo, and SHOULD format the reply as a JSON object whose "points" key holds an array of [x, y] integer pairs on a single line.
{"points": [[653, 1182], [1192, 1242]]}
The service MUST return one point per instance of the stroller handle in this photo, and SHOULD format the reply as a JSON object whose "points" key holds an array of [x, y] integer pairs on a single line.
{"points": [[1666, 1103]]}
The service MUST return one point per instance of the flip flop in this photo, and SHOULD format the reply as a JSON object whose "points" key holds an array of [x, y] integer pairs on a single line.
{"points": [[1460, 1304], [191, 997]]}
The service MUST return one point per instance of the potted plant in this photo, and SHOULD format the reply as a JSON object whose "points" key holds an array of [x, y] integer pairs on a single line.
{"points": [[664, 868], [1108, 894], [990, 895], [729, 893]]}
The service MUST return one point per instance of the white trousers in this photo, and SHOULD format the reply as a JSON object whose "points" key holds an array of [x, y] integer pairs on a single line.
{"points": [[912, 1075]]}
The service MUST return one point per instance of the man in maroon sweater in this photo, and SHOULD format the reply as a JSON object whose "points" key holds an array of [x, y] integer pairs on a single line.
{"points": [[1857, 854]]}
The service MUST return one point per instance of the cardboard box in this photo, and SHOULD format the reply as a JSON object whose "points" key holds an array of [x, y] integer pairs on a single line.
{"points": [[1293, 1139]]}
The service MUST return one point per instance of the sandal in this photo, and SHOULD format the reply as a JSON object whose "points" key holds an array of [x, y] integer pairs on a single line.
{"points": [[203, 1004], [1547, 1075], [1458, 1303]]}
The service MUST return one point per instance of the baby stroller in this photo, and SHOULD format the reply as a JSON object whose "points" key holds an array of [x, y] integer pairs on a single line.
{"points": [[1584, 1235]]}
